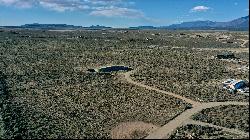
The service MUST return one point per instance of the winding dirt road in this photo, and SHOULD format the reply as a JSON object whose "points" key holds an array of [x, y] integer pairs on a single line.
{"points": [[128, 78], [165, 131]]}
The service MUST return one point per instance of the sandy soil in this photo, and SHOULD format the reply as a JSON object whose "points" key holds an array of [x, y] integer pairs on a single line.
{"points": [[132, 130]]}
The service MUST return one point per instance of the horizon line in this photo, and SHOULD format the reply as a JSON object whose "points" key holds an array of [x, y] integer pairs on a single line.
{"points": [[110, 26]]}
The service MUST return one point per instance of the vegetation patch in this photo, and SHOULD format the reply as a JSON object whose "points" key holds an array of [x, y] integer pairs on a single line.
{"points": [[231, 116], [87, 107], [189, 73], [191, 131]]}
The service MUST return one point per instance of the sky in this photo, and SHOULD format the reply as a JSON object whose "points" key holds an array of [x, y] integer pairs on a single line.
{"points": [[119, 13]]}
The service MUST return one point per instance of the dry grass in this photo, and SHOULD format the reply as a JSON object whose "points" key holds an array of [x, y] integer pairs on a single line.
{"points": [[189, 73], [50, 95], [232, 116], [191, 131]]}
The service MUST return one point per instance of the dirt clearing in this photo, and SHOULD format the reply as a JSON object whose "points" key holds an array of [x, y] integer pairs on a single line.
{"points": [[132, 130]]}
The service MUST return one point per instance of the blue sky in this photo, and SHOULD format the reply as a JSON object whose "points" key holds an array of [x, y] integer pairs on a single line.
{"points": [[119, 13]]}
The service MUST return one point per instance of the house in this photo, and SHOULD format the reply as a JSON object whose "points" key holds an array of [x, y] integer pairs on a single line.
{"points": [[234, 86], [226, 56], [91, 70]]}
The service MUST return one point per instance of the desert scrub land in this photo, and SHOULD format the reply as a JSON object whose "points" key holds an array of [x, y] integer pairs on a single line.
{"points": [[49, 94], [232, 116], [190, 73], [87, 107], [1, 127], [192, 131]]}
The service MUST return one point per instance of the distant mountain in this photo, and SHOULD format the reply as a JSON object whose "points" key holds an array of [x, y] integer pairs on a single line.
{"points": [[49, 26], [98, 27], [55, 27], [237, 24], [242, 22], [193, 24], [143, 27]]}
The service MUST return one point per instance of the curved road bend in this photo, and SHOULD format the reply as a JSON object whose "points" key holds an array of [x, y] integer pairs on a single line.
{"points": [[128, 78], [166, 130]]}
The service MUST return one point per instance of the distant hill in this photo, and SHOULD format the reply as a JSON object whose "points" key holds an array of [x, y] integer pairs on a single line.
{"points": [[143, 27], [49, 26], [55, 27], [237, 24], [98, 27]]}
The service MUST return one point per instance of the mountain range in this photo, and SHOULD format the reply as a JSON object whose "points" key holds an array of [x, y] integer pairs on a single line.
{"points": [[237, 24]]}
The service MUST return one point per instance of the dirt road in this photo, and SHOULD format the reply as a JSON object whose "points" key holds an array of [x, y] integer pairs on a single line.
{"points": [[166, 130], [128, 78]]}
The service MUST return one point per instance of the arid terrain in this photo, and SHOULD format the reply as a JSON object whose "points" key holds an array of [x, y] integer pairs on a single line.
{"points": [[174, 89]]}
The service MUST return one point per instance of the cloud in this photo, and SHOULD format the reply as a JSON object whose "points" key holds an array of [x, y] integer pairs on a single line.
{"points": [[200, 9], [117, 12], [17, 3], [56, 6], [7, 2], [106, 8], [105, 2], [61, 5], [64, 5]]}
